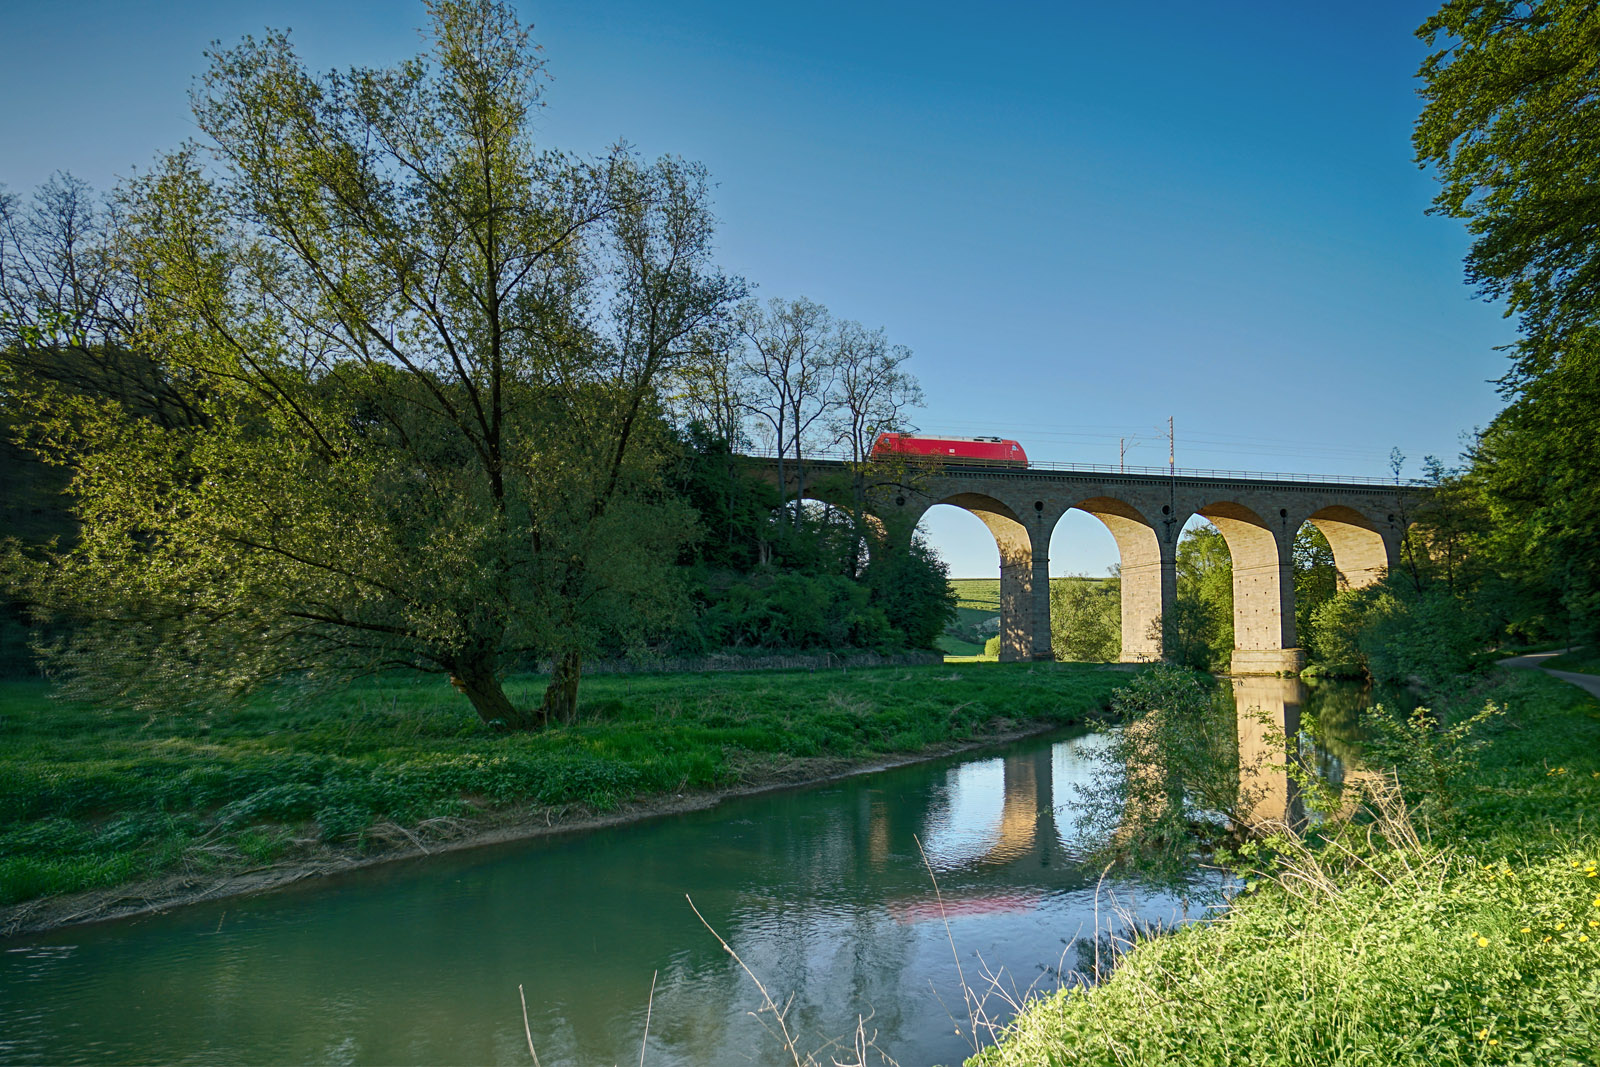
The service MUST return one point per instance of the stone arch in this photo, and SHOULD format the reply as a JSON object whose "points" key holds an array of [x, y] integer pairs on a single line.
{"points": [[1146, 583], [1263, 590], [1019, 626], [1360, 551]]}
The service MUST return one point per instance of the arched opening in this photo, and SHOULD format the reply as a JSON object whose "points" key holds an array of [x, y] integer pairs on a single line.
{"points": [[1263, 590], [1198, 627], [1085, 591], [1359, 550], [1120, 533], [1016, 607], [1335, 549], [969, 552], [1082, 544]]}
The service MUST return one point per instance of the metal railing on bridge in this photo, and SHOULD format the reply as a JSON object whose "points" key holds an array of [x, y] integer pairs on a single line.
{"points": [[971, 466]]}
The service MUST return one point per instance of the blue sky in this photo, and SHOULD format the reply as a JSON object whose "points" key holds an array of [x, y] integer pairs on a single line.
{"points": [[1082, 218]]}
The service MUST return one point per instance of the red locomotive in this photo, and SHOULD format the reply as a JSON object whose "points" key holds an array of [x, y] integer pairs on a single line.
{"points": [[982, 451]]}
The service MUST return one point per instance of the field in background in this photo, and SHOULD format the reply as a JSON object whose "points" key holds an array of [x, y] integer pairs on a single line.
{"points": [[977, 605]]}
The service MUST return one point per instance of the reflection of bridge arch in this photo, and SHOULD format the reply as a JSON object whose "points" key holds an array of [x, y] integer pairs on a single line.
{"points": [[1268, 714], [977, 832], [1145, 513]]}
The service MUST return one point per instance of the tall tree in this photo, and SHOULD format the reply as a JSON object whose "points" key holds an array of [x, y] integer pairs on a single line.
{"points": [[427, 356], [790, 370], [872, 394], [1512, 126]]}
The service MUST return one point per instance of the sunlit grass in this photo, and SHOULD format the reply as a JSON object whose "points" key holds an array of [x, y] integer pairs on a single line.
{"points": [[92, 798], [1478, 944]]}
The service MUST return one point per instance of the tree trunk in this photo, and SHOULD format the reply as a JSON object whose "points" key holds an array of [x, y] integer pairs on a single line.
{"points": [[480, 685], [561, 697], [799, 483]]}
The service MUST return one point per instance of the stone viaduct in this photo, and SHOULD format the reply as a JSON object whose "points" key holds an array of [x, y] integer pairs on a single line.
{"points": [[1145, 510]]}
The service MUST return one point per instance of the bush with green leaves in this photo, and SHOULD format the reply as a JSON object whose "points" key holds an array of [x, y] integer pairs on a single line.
{"points": [[1086, 619], [1400, 634], [1167, 776], [1431, 757]]}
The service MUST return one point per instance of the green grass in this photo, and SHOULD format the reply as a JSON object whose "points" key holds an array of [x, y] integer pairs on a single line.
{"points": [[1478, 946], [954, 646], [91, 798], [983, 594], [977, 594], [977, 602]]}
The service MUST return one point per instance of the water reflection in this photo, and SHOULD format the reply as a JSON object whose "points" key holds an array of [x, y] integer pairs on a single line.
{"points": [[823, 892], [1267, 711], [1317, 724]]}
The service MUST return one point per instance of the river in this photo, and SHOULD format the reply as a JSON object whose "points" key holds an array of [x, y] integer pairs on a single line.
{"points": [[822, 891]]}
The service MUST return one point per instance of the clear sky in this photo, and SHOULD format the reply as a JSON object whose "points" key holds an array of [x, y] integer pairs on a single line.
{"points": [[1083, 218]]}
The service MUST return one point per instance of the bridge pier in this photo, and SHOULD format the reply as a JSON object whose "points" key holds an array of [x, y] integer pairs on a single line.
{"points": [[1039, 625], [1024, 608], [1263, 590], [1149, 587]]}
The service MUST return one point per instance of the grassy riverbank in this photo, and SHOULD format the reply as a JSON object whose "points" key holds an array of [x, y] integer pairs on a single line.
{"points": [[92, 799], [1476, 944]]}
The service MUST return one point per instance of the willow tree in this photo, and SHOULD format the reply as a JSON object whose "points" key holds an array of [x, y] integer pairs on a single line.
{"points": [[427, 353]]}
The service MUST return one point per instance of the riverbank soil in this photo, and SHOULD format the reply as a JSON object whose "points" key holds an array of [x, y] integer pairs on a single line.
{"points": [[1468, 936], [106, 812]]}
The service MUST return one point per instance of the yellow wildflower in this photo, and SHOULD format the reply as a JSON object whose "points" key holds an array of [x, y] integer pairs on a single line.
{"points": [[1527, 929], [1583, 937], [1483, 942]]}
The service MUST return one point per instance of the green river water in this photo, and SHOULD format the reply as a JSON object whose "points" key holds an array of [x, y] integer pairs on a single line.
{"points": [[821, 890]]}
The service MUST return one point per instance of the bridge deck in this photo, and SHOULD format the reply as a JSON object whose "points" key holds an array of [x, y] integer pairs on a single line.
{"points": [[1135, 474]]}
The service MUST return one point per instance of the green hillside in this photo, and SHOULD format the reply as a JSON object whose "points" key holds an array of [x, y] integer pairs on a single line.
{"points": [[977, 606]]}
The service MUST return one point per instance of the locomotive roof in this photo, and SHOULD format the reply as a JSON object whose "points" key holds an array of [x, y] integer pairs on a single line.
{"points": [[944, 437]]}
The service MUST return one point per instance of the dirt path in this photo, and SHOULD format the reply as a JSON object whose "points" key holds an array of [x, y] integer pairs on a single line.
{"points": [[1590, 683]]}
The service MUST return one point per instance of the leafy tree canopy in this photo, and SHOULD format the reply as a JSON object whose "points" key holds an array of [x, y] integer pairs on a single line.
{"points": [[1512, 124], [419, 360]]}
